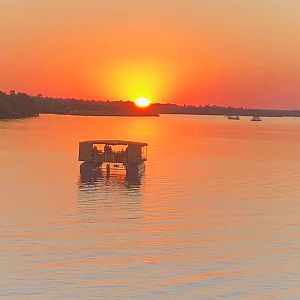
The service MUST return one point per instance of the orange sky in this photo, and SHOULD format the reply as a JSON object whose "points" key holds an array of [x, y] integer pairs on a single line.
{"points": [[233, 52]]}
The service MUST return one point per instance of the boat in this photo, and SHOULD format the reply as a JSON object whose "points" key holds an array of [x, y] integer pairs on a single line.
{"points": [[111, 153], [256, 119], [230, 117]]}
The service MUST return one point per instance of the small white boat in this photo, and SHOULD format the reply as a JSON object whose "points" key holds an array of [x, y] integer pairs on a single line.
{"points": [[233, 117], [256, 119]]}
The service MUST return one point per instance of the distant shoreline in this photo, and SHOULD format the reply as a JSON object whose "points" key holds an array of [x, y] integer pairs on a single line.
{"points": [[91, 114], [175, 114], [2, 118], [104, 114], [19, 105]]}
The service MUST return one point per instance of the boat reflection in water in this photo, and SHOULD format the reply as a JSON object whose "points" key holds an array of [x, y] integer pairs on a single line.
{"points": [[102, 194], [92, 176]]}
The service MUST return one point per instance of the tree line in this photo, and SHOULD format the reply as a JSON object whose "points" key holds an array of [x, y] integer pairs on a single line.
{"points": [[17, 105], [222, 110], [21, 105]]}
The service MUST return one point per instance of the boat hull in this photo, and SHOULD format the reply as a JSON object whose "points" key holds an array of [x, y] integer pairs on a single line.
{"points": [[135, 170], [88, 169]]}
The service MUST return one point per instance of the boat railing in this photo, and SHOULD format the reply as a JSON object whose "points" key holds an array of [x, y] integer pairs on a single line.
{"points": [[115, 157]]}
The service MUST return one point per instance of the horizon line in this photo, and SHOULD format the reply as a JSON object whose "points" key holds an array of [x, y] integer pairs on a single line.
{"points": [[40, 95]]}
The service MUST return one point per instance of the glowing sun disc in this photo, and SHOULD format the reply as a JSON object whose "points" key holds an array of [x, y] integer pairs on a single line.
{"points": [[142, 102]]}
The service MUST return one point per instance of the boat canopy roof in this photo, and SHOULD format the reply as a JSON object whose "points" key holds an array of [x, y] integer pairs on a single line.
{"points": [[115, 142]]}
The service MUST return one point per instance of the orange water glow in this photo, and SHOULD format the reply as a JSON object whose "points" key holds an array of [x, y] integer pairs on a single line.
{"points": [[184, 214]]}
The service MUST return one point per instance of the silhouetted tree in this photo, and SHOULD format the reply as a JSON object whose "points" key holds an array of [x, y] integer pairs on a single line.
{"points": [[21, 105]]}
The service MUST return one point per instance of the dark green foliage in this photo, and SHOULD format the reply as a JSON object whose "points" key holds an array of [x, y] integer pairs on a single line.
{"points": [[17, 105]]}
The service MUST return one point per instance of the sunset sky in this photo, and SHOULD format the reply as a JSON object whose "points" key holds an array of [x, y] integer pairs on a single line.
{"points": [[224, 52]]}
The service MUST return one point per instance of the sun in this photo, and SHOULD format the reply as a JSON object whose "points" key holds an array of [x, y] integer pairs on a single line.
{"points": [[142, 102]]}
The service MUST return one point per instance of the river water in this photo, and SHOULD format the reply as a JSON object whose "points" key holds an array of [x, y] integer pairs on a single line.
{"points": [[215, 216]]}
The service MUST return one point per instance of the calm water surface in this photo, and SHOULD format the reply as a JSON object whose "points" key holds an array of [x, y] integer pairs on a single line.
{"points": [[216, 215]]}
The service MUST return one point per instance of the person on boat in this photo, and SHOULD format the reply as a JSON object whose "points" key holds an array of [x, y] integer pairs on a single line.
{"points": [[95, 152], [108, 149]]}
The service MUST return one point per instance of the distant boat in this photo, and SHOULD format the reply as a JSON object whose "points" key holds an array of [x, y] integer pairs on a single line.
{"points": [[233, 118], [256, 119]]}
